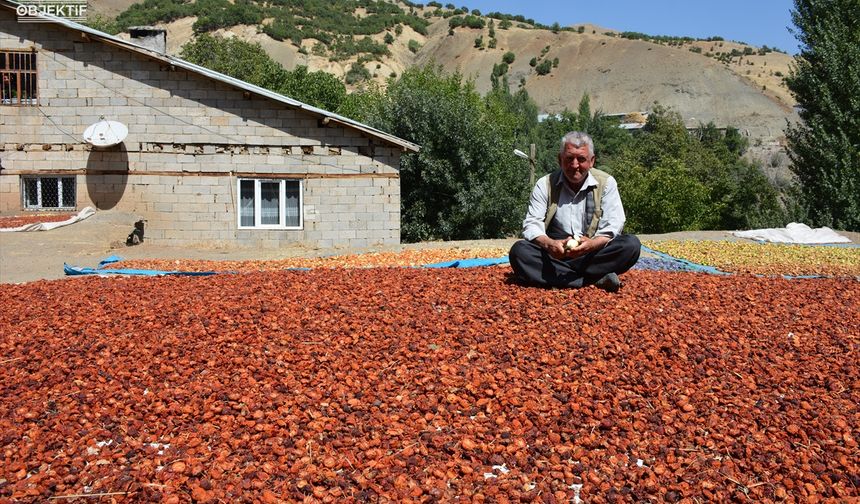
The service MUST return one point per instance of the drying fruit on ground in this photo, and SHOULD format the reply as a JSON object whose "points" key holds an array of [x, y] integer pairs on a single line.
{"points": [[406, 258], [14, 221], [767, 258], [427, 385]]}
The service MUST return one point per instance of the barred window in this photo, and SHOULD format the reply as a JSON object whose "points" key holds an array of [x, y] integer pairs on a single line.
{"points": [[18, 82], [51, 192]]}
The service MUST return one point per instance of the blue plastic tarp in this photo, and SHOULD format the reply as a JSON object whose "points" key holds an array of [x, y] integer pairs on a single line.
{"points": [[77, 270], [688, 264], [468, 263]]}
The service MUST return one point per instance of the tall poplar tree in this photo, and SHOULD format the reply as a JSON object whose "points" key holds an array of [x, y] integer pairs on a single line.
{"points": [[825, 146]]}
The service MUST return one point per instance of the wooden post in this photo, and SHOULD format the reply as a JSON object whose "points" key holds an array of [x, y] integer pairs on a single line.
{"points": [[532, 162]]}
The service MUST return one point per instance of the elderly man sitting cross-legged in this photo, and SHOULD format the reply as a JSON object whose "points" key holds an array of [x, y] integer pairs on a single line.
{"points": [[581, 203]]}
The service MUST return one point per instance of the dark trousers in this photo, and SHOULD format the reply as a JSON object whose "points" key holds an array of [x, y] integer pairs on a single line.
{"points": [[534, 265]]}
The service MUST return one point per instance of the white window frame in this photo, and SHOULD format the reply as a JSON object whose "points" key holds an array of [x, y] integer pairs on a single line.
{"points": [[38, 178], [282, 199]]}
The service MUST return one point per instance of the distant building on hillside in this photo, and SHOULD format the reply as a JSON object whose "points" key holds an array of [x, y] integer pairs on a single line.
{"points": [[629, 120]]}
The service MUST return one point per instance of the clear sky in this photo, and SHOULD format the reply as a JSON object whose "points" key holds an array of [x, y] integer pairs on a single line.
{"points": [[756, 22]]}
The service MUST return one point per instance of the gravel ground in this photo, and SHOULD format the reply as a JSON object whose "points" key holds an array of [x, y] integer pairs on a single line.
{"points": [[26, 257]]}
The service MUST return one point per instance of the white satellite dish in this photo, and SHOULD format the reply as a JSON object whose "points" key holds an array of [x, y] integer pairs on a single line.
{"points": [[105, 133]]}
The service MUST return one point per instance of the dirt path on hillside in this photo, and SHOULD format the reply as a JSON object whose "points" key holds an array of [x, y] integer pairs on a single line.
{"points": [[27, 257]]}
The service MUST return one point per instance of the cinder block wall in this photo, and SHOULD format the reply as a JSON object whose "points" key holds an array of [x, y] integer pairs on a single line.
{"points": [[189, 139]]}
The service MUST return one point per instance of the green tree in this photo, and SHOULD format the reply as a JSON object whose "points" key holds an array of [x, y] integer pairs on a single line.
{"points": [[713, 186], [825, 147], [464, 183], [661, 198], [250, 63], [235, 58], [320, 89], [509, 57]]}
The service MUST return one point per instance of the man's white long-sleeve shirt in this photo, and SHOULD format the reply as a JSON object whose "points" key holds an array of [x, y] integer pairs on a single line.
{"points": [[570, 217]]}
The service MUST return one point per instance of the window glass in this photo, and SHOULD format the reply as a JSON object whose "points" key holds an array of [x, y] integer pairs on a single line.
{"points": [[246, 208], [50, 192], [68, 192], [31, 193], [18, 78], [292, 204], [270, 203]]}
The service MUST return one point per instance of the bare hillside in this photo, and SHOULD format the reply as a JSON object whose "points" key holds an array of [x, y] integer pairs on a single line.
{"points": [[620, 75]]}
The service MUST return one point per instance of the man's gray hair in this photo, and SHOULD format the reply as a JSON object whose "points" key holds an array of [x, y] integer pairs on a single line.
{"points": [[577, 139]]}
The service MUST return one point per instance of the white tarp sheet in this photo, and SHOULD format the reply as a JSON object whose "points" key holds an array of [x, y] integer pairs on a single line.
{"points": [[47, 226], [794, 233]]}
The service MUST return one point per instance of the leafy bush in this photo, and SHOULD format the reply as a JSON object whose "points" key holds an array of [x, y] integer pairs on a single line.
{"points": [[357, 73], [101, 23], [413, 45], [389, 39], [474, 22], [214, 14], [344, 47], [544, 67], [509, 57], [294, 21], [150, 12]]}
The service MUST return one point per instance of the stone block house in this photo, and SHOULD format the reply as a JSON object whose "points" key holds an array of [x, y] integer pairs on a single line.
{"points": [[207, 159]]}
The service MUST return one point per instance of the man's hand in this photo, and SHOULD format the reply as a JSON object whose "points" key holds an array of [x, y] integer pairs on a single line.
{"points": [[555, 248], [586, 246]]}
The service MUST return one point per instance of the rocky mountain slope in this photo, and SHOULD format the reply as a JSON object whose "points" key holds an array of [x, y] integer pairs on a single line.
{"points": [[620, 75]]}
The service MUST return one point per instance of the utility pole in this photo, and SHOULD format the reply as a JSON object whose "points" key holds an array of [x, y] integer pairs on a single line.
{"points": [[532, 162], [532, 157]]}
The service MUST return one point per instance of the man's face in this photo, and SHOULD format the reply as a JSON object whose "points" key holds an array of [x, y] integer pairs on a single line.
{"points": [[575, 163]]}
